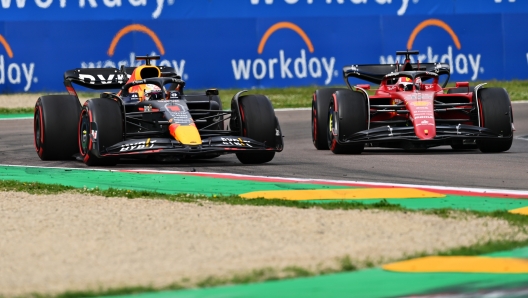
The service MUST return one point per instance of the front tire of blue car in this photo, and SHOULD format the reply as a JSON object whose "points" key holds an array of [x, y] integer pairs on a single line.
{"points": [[106, 115], [258, 123]]}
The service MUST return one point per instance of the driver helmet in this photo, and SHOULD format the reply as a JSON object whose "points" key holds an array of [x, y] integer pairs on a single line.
{"points": [[418, 83], [405, 84], [152, 92]]}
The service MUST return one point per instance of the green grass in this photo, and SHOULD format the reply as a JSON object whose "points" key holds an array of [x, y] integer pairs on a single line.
{"points": [[344, 264], [8, 111], [301, 97]]}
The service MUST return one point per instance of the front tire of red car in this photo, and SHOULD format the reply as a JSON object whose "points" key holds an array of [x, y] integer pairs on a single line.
{"points": [[347, 115], [495, 114], [320, 102]]}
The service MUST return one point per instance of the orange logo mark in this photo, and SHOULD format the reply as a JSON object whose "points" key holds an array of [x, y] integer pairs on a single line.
{"points": [[132, 28], [285, 25], [433, 22], [6, 46]]}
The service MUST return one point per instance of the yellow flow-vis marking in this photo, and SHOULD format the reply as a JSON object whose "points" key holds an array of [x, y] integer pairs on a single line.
{"points": [[344, 194], [460, 264], [523, 211]]}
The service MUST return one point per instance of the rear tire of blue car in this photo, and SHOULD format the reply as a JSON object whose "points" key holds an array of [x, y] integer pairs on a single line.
{"points": [[347, 115], [495, 114], [320, 102], [258, 123], [55, 126], [106, 114]]}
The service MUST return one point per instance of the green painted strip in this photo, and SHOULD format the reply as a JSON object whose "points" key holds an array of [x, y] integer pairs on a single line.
{"points": [[16, 116], [163, 183], [364, 283], [452, 201], [172, 184]]}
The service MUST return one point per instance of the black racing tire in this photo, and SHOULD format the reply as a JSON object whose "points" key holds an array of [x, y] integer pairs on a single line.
{"points": [[258, 123], [495, 114], [347, 115], [320, 102], [106, 114], [461, 90], [55, 126]]}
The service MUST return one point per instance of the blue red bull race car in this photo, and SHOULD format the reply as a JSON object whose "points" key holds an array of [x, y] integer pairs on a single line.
{"points": [[411, 109], [151, 116]]}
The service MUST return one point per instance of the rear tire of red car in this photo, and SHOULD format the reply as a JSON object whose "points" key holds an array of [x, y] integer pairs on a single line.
{"points": [[347, 115], [106, 114], [320, 102], [55, 126], [495, 114], [258, 123]]}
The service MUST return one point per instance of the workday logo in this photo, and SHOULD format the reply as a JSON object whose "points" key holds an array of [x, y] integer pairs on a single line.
{"points": [[283, 65], [179, 66], [15, 73], [460, 62]]}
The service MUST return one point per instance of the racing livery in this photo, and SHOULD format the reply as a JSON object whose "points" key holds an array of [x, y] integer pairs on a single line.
{"points": [[151, 116], [411, 109]]}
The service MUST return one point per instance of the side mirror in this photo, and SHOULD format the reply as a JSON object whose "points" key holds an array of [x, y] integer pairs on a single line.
{"points": [[462, 84], [363, 86], [211, 92]]}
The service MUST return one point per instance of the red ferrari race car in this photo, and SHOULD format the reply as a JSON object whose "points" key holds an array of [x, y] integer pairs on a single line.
{"points": [[151, 116], [410, 110]]}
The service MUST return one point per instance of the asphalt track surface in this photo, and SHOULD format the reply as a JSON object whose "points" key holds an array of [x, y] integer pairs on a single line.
{"points": [[435, 166]]}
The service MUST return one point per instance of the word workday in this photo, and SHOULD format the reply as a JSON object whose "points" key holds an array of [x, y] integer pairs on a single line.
{"points": [[44, 4], [461, 63], [17, 74], [301, 66], [178, 66], [401, 10]]}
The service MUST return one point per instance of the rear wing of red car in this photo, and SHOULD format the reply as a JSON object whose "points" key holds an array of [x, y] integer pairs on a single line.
{"points": [[375, 73]]}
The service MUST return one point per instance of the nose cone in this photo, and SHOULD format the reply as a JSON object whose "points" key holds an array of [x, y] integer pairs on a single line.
{"points": [[422, 115], [185, 134]]}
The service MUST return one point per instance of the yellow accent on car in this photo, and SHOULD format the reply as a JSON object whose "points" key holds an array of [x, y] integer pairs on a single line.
{"points": [[186, 134]]}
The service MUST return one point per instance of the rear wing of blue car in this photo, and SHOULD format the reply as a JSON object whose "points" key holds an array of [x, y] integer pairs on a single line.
{"points": [[105, 78]]}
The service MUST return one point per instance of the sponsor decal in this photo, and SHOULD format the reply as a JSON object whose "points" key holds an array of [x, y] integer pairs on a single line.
{"points": [[138, 145], [179, 66], [285, 66], [460, 62], [401, 8], [11, 72], [420, 103], [91, 4], [235, 142]]}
